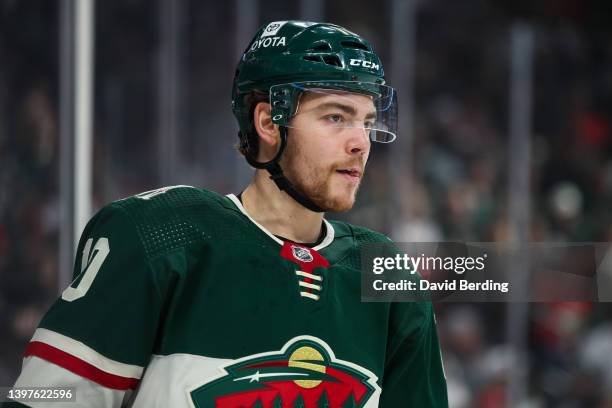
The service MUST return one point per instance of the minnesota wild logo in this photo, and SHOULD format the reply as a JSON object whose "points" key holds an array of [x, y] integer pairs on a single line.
{"points": [[304, 374]]}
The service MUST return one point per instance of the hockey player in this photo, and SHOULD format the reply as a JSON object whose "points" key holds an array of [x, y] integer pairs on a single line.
{"points": [[184, 298]]}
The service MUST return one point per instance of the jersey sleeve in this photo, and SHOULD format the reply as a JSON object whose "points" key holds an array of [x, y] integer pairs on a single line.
{"points": [[99, 335], [414, 375]]}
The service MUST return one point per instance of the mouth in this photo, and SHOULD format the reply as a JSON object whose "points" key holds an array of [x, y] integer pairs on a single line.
{"points": [[352, 173]]}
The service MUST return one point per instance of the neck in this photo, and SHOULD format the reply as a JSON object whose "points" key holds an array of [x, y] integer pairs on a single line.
{"points": [[278, 212]]}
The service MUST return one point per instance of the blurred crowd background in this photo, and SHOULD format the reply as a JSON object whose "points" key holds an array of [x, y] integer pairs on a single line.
{"points": [[457, 190]]}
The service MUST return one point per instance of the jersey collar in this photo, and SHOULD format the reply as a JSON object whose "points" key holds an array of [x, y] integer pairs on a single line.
{"points": [[329, 235]]}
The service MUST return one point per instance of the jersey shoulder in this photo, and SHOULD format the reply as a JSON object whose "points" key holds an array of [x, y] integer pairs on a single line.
{"points": [[359, 234], [171, 217], [350, 241]]}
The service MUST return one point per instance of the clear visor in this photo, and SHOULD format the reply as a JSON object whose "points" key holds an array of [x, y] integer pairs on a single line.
{"points": [[338, 107]]}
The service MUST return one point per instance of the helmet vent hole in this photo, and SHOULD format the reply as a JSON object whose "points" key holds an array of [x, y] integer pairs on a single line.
{"points": [[332, 60], [313, 58], [320, 47], [354, 44]]}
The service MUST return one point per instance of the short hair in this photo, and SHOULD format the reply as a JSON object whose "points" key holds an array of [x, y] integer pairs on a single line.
{"points": [[249, 143]]}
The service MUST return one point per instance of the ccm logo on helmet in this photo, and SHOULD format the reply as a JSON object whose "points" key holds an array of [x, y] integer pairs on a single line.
{"points": [[364, 63]]}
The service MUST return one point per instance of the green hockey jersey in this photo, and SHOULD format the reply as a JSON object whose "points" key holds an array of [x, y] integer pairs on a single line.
{"points": [[180, 299]]}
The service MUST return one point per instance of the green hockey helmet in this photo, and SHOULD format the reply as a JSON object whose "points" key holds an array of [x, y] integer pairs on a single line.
{"points": [[287, 58]]}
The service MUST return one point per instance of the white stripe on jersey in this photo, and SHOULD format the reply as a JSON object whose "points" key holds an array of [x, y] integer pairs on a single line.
{"points": [[86, 353]]}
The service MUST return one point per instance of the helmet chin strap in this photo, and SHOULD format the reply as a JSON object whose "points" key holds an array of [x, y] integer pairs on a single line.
{"points": [[276, 174]]}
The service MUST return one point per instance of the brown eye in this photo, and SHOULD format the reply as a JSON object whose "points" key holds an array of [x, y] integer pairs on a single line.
{"points": [[335, 118]]}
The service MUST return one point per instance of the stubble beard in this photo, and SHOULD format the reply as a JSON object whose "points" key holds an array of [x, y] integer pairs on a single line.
{"points": [[316, 183]]}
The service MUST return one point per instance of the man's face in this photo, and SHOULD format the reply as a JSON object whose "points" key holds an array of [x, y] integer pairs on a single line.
{"points": [[328, 147]]}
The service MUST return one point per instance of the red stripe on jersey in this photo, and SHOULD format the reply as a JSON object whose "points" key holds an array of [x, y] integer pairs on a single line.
{"points": [[78, 366]]}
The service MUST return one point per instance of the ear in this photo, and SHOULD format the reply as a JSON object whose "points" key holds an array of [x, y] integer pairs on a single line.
{"points": [[269, 135]]}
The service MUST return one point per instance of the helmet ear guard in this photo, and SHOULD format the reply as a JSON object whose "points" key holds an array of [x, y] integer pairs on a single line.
{"points": [[283, 103]]}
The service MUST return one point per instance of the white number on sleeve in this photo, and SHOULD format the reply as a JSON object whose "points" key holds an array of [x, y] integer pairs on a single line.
{"points": [[91, 262]]}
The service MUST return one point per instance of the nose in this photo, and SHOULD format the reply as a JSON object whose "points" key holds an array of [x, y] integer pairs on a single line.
{"points": [[358, 141]]}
